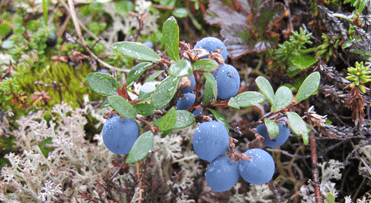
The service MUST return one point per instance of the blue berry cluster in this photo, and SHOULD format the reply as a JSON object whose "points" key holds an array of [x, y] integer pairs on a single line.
{"points": [[227, 77], [211, 141]]}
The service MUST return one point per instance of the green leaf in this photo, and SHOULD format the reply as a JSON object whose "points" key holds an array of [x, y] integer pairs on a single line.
{"points": [[165, 133], [184, 119], [180, 68], [154, 76], [246, 99], [122, 107], [347, 44], [169, 120], [137, 71], [272, 127], [208, 92], [309, 86], [283, 97], [205, 65], [220, 118], [103, 84], [292, 71], [180, 12], [147, 89], [165, 92], [303, 61], [104, 105], [144, 109], [124, 7], [157, 122], [330, 198], [4, 29], [298, 126], [136, 50], [141, 147], [210, 78], [45, 11], [266, 88], [170, 37]]}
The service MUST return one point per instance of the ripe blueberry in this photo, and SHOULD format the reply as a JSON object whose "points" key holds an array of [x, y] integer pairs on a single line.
{"points": [[210, 140], [119, 135], [228, 81], [222, 174], [190, 88], [211, 44], [259, 169], [185, 103], [279, 140]]}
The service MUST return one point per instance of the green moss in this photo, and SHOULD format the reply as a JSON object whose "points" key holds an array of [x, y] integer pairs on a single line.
{"points": [[65, 77]]}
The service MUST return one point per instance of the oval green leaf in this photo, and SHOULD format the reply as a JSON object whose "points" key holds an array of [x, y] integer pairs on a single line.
{"points": [[298, 126], [137, 71], [146, 90], [180, 12], [181, 68], [136, 50], [206, 65], [169, 120], [210, 78], [170, 37], [266, 88], [122, 107], [184, 119], [144, 109], [303, 61], [208, 92], [272, 127], [246, 99], [165, 92], [154, 76], [283, 97], [220, 118], [104, 105], [308, 87], [141, 147], [103, 84]]}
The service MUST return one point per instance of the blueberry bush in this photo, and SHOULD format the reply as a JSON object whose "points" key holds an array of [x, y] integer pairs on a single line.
{"points": [[185, 101]]}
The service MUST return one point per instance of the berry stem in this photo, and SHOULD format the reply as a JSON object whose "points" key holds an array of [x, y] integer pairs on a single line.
{"points": [[152, 127]]}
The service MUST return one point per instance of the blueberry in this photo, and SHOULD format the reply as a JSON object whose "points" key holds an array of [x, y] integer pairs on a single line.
{"points": [[51, 40], [185, 103], [222, 174], [103, 70], [279, 140], [119, 135], [228, 81], [197, 112], [259, 169], [211, 44], [150, 45], [190, 88], [210, 140]]}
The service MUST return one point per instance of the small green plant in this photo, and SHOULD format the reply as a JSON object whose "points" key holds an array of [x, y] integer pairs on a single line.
{"points": [[155, 106], [358, 75], [292, 55]]}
